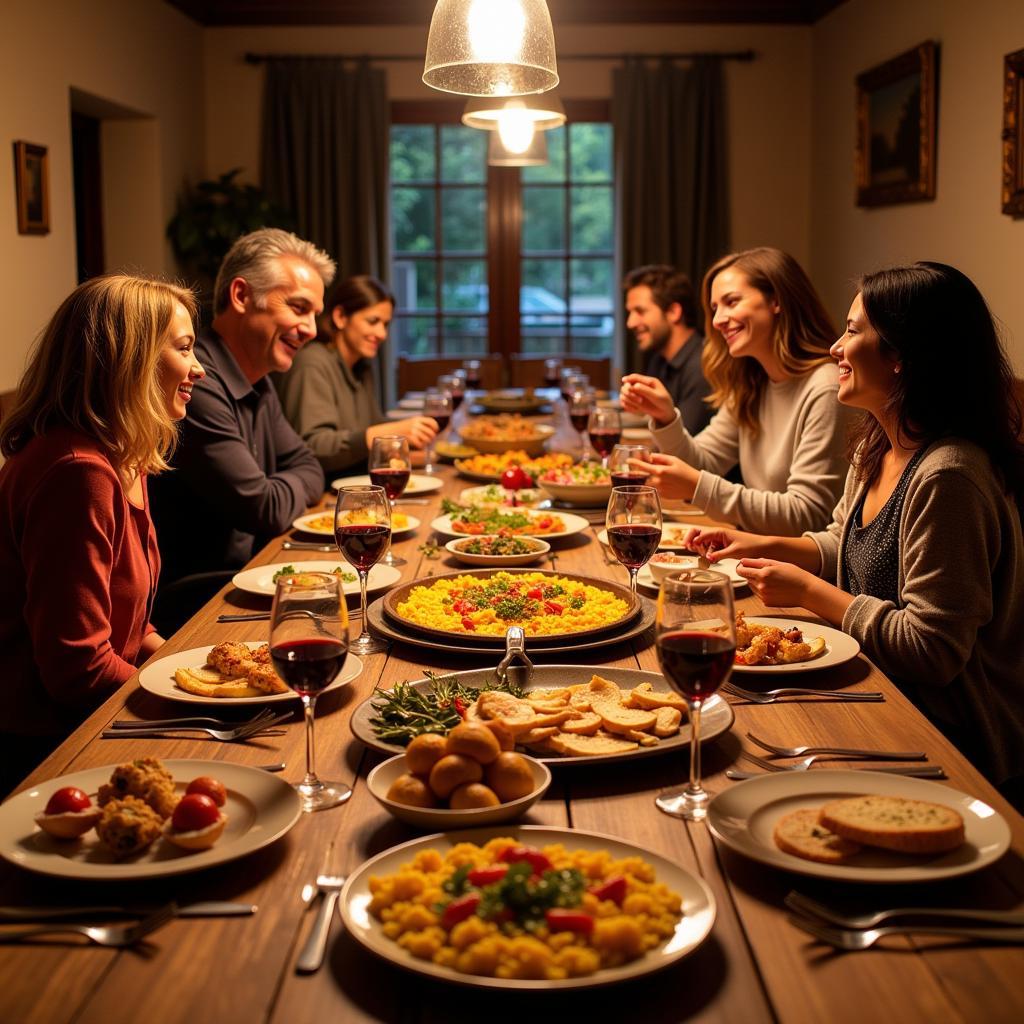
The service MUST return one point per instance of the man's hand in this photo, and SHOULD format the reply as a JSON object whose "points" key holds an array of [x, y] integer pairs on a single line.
{"points": [[648, 397], [420, 430]]}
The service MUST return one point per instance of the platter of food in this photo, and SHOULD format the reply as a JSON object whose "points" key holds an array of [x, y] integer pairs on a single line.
{"points": [[587, 484], [383, 721], [262, 579], [419, 483], [930, 831], [322, 523], [494, 495], [494, 551], [233, 676], [450, 451], [473, 522], [258, 809], [452, 644], [684, 909], [776, 646], [477, 606], [487, 468], [520, 400], [504, 433]]}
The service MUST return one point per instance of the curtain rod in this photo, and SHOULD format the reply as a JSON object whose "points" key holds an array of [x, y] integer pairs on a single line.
{"points": [[742, 55]]}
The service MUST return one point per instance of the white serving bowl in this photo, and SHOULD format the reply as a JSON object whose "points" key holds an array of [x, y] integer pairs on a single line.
{"points": [[440, 819], [496, 561], [663, 563], [585, 495], [532, 445]]}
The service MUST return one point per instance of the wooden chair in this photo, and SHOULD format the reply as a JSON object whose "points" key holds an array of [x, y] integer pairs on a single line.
{"points": [[416, 373], [528, 370]]}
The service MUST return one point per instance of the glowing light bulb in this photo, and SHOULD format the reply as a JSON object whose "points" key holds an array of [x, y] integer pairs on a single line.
{"points": [[496, 29], [515, 128]]}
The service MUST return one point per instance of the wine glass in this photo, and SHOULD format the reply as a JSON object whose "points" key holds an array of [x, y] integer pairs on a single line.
{"points": [[437, 405], [633, 522], [581, 401], [308, 647], [362, 528], [622, 473], [456, 388], [605, 430], [552, 373], [567, 384], [472, 368], [389, 468], [696, 637]]}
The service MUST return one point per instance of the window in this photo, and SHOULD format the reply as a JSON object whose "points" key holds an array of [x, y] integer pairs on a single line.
{"points": [[503, 260]]}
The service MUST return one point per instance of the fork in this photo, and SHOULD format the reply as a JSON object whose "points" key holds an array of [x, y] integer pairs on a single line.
{"points": [[926, 770], [164, 723], [312, 955], [805, 905], [771, 696], [881, 755], [102, 935], [240, 732], [851, 939]]}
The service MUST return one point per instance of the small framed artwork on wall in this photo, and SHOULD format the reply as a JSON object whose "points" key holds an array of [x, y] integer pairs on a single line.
{"points": [[896, 119], [1013, 134], [32, 188]]}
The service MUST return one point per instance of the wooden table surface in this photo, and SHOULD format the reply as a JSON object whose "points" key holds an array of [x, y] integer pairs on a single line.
{"points": [[755, 966]]}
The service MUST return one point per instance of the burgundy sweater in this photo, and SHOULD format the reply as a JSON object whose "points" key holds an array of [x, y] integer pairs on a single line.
{"points": [[79, 565]]}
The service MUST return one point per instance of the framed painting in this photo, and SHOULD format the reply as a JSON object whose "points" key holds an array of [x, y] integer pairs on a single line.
{"points": [[1013, 134], [32, 188], [896, 119]]}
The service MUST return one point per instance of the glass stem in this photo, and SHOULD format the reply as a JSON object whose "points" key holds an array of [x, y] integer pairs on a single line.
{"points": [[694, 709], [308, 705], [363, 573], [632, 577]]}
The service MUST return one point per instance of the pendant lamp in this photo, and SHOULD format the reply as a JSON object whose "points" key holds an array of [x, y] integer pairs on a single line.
{"points": [[545, 111], [535, 154], [491, 48]]}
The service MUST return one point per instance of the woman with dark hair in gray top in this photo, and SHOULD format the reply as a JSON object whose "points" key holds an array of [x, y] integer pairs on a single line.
{"points": [[925, 547], [329, 396]]}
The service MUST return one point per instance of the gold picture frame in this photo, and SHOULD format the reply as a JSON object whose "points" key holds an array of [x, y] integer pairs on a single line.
{"points": [[1013, 134], [896, 121], [32, 188]]}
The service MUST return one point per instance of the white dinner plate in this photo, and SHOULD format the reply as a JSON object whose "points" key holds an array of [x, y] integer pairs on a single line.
{"points": [[419, 483], [411, 403], [260, 579], [260, 807], [671, 538], [744, 817], [158, 678], [681, 514], [698, 909], [840, 647], [573, 525], [493, 495], [322, 524], [645, 578]]}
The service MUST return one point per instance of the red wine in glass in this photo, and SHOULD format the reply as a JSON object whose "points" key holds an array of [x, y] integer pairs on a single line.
{"points": [[392, 480], [579, 419], [633, 544], [695, 663], [551, 380], [440, 419], [362, 544], [456, 399], [629, 479], [309, 665], [603, 441]]}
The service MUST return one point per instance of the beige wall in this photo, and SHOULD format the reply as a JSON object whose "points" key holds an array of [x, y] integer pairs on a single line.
{"points": [[137, 55], [770, 161], [963, 225]]}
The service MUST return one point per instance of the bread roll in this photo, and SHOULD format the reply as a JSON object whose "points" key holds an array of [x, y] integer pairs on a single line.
{"points": [[800, 834], [895, 823]]}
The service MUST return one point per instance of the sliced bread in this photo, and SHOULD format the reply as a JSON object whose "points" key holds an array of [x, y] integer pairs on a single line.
{"points": [[895, 823], [800, 834]]}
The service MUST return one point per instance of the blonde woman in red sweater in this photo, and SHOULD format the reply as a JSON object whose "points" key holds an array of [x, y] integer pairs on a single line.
{"points": [[96, 413]]}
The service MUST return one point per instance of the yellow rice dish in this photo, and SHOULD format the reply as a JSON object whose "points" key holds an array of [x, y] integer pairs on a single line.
{"points": [[541, 603], [583, 910]]}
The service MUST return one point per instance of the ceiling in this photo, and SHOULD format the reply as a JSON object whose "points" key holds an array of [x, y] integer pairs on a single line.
{"points": [[417, 12]]}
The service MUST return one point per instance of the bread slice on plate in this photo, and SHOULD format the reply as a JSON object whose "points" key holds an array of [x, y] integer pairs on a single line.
{"points": [[204, 683], [895, 823], [800, 834]]}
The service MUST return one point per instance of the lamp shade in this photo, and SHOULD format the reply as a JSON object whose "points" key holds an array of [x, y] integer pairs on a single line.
{"points": [[499, 156], [545, 111], [491, 48]]}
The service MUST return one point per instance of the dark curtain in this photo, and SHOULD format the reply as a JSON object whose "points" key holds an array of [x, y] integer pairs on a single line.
{"points": [[325, 156], [670, 166]]}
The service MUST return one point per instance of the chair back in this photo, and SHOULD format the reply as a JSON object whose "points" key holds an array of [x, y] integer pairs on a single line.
{"points": [[527, 370], [417, 373]]}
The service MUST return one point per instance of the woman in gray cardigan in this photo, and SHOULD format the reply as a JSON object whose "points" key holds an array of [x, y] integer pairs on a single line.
{"points": [[330, 396], [925, 546]]}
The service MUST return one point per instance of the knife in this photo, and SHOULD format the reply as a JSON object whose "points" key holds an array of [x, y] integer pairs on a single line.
{"points": [[209, 908], [301, 545]]}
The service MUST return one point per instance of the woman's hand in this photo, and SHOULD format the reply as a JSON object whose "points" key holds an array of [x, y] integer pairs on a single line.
{"points": [[670, 475], [779, 584], [648, 397], [715, 543], [420, 430]]}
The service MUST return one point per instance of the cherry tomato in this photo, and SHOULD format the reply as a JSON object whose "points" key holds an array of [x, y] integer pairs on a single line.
{"points": [[559, 920], [613, 889], [510, 478], [537, 860], [68, 799], [488, 876], [208, 786], [459, 909], [468, 623], [536, 593], [194, 811], [552, 608], [460, 707]]}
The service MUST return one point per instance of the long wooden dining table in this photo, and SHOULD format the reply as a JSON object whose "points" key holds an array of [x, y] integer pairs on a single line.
{"points": [[754, 966]]}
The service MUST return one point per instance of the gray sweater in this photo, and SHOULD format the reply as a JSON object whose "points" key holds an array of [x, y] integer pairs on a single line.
{"points": [[955, 641]]}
